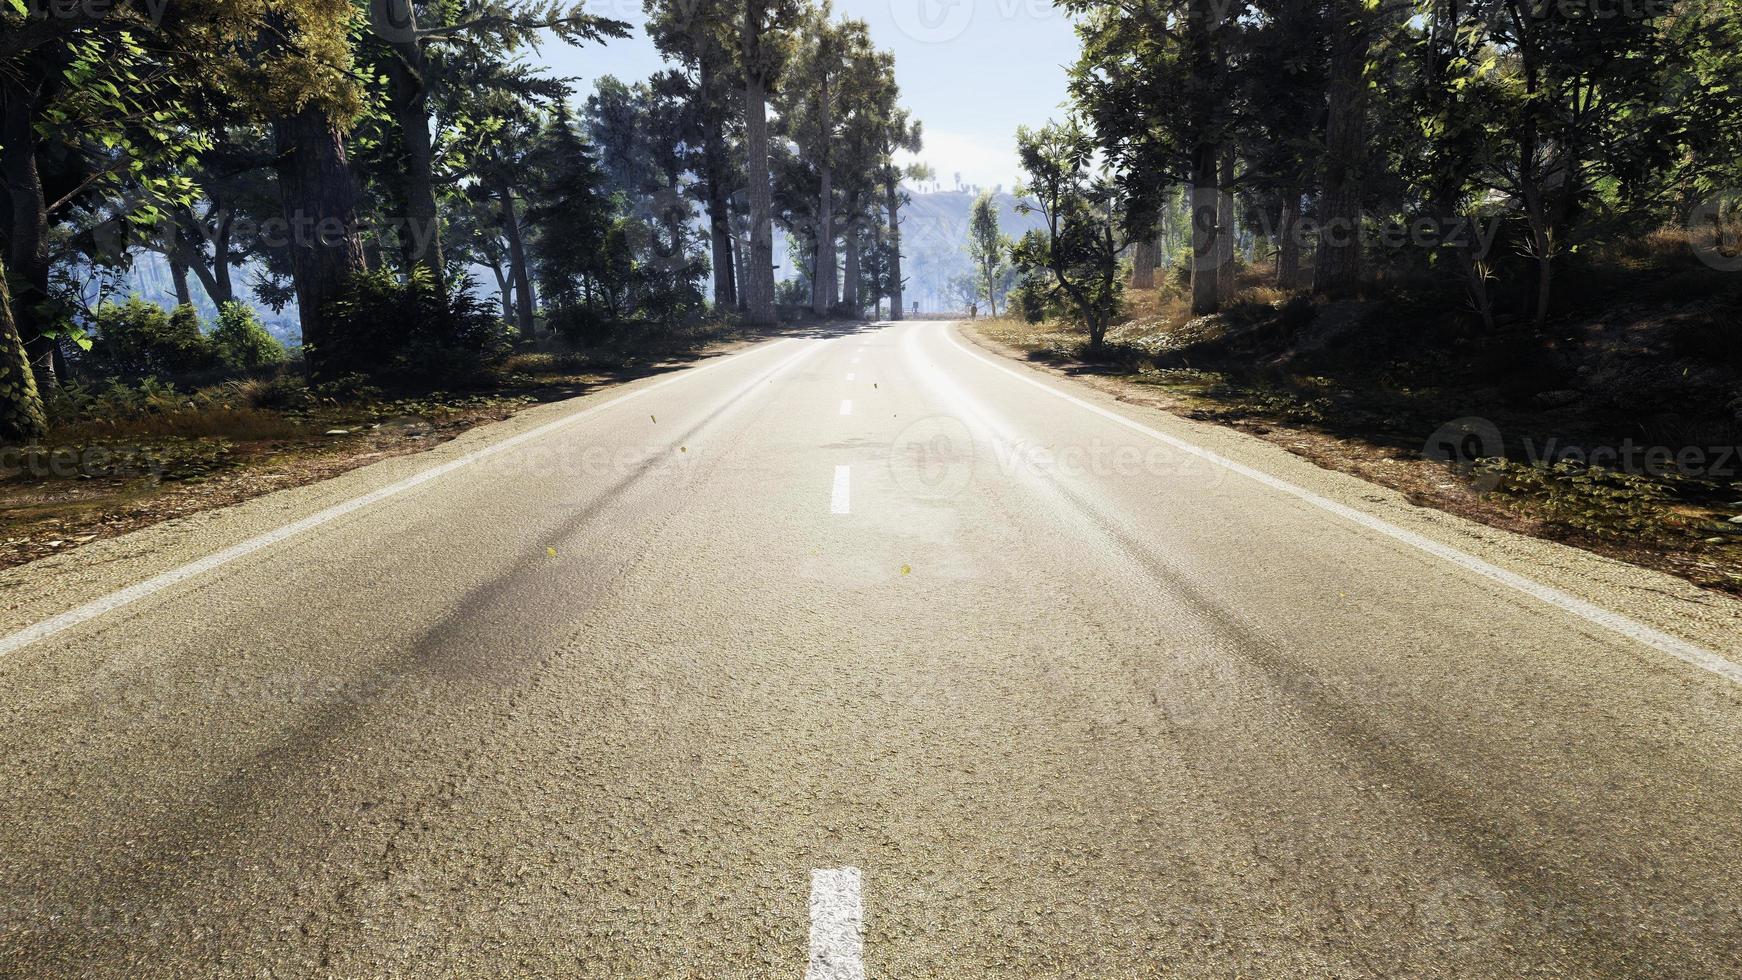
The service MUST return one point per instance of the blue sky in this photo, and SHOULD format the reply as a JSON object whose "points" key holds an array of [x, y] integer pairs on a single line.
{"points": [[970, 70]]}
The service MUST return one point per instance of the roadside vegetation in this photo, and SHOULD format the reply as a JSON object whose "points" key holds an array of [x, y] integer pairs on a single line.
{"points": [[381, 223], [1487, 253], [1616, 432]]}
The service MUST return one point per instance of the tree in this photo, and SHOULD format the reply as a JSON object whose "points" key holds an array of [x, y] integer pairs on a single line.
{"points": [[21, 416], [1154, 83], [414, 74], [760, 54], [903, 133], [691, 35], [86, 109], [1337, 269], [1074, 258], [574, 219], [988, 247]]}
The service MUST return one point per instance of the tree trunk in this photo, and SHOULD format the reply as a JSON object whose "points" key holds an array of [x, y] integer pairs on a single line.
{"points": [[881, 270], [1288, 241], [715, 164], [1544, 278], [760, 284], [1205, 250], [408, 85], [195, 258], [1143, 264], [524, 299], [850, 273], [320, 202], [825, 267], [208, 282], [21, 417], [221, 289], [892, 200], [178, 275], [741, 267], [27, 238], [1227, 272], [1337, 268], [504, 292]]}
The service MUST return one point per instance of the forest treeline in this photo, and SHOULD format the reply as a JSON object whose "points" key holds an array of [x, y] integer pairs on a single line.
{"points": [[359, 160], [1473, 149]]}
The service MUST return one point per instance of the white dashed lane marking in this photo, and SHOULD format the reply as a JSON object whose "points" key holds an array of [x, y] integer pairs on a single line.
{"points": [[838, 500], [837, 926]]}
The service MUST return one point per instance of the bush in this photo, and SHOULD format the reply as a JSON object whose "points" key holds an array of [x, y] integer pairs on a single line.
{"points": [[1710, 336], [242, 342], [137, 339], [408, 334], [583, 326], [1597, 501], [1028, 299]]}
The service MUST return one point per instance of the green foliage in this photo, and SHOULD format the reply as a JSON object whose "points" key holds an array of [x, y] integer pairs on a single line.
{"points": [[114, 399], [242, 342], [137, 339], [988, 247], [582, 324], [1073, 260], [408, 334], [1589, 499], [1031, 300]]}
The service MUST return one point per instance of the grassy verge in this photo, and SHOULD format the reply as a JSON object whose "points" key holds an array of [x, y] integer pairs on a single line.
{"points": [[121, 457], [1344, 386]]}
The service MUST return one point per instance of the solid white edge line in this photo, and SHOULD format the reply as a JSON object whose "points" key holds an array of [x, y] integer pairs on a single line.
{"points": [[1657, 639], [846, 406], [837, 946], [838, 497], [44, 629]]}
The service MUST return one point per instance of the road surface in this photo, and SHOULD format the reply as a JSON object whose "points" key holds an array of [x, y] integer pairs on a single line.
{"points": [[860, 653]]}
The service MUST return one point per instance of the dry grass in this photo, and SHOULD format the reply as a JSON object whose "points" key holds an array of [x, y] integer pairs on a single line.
{"points": [[545, 362], [236, 423]]}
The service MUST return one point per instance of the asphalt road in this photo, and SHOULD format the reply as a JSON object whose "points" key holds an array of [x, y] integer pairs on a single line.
{"points": [[862, 654]]}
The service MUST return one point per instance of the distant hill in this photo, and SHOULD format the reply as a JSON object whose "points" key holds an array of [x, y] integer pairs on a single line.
{"points": [[934, 233]]}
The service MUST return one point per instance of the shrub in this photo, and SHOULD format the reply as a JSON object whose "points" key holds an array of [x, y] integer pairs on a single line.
{"points": [[408, 334], [581, 325], [242, 342], [1028, 299], [137, 339], [1597, 501]]}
